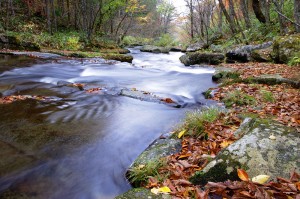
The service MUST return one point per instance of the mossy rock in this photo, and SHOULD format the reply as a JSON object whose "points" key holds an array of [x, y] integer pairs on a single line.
{"points": [[222, 73], [118, 57], [202, 58], [262, 55], [256, 153], [14, 43], [154, 49], [286, 48], [158, 149], [141, 193]]}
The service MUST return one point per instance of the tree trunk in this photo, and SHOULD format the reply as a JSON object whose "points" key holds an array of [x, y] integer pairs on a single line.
{"points": [[282, 22], [257, 11], [192, 18], [228, 18], [54, 16], [297, 14], [48, 16], [220, 20], [266, 4], [245, 11]]}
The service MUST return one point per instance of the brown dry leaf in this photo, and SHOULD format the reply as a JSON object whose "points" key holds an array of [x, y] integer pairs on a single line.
{"points": [[243, 175]]}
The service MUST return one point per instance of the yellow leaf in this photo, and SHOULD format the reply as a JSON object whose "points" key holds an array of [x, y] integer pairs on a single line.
{"points": [[161, 190], [164, 190], [181, 133], [261, 179], [225, 143], [243, 175]]}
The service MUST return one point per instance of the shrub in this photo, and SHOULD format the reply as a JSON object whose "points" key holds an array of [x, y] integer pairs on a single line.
{"points": [[165, 41]]}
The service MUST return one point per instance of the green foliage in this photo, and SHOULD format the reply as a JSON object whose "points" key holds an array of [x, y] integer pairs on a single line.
{"points": [[134, 41], [238, 98], [267, 96], [195, 120], [165, 40], [140, 174], [295, 61]]}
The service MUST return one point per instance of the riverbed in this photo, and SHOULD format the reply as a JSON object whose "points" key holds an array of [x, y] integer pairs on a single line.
{"points": [[78, 144]]}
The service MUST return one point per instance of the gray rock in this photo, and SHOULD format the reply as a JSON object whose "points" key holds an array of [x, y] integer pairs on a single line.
{"points": [[154, 49], [160, 148], [256, 153], [202, 58], [285, 48], [196, 46], [222, 72], [141, 193], [262, 55], [243, 53]]}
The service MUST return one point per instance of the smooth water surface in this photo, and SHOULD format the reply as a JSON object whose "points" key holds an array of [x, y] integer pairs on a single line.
{"points": [[79, 144]]}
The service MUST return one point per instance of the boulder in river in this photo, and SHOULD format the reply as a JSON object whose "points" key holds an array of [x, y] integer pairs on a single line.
{"points": [[243, 53], [265, 148], [286, 48], [154, 49], [202, 58]]}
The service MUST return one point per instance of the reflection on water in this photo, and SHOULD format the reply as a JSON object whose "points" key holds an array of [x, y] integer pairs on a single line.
{"points": [[80, 144]]}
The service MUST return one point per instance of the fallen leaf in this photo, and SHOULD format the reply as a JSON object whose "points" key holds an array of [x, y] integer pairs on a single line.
{"points": [[181, 133], [164, 190], [243, 175], [272, 137], [261, 179], [225, 143]]}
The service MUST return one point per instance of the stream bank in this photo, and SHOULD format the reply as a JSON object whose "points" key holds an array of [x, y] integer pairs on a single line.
{"points": [[254, 90]]}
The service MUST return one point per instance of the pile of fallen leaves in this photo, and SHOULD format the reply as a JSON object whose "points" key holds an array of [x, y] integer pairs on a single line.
{"points": [[285, 107], [13, 98], [194, 156], [255, 69], [254, 188]]}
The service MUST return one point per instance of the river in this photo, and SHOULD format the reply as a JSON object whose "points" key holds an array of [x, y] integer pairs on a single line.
{"points": [[78, 144]]}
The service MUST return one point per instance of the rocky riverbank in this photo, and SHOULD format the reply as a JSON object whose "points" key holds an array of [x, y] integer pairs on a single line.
{"points": [[258, 132]]}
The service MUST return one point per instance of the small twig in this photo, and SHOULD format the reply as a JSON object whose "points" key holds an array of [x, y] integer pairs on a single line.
{"points": [[287, 18]]}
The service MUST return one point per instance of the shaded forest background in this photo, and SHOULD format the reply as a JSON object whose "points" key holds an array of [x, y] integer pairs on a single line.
{"points": [[75, 24]]}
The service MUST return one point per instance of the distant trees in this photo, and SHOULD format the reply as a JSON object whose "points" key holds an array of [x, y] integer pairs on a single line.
{"points": [[207, 17]]}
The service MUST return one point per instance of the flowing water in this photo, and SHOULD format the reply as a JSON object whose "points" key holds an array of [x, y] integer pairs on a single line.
{"points": [[77, 144]]}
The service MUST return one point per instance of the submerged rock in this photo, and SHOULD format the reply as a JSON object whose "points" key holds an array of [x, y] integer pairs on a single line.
{"points": [[202, 58], [243, 53], [266, 147], [286, 48], [154, 49]]}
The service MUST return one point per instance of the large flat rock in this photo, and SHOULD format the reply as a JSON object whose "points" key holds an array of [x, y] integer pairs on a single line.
{"points": [[266, 147]]}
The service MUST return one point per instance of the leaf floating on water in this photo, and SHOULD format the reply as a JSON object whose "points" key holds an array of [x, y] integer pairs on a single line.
{"points": [[181, 133], [261, 179], [243, 175]]}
